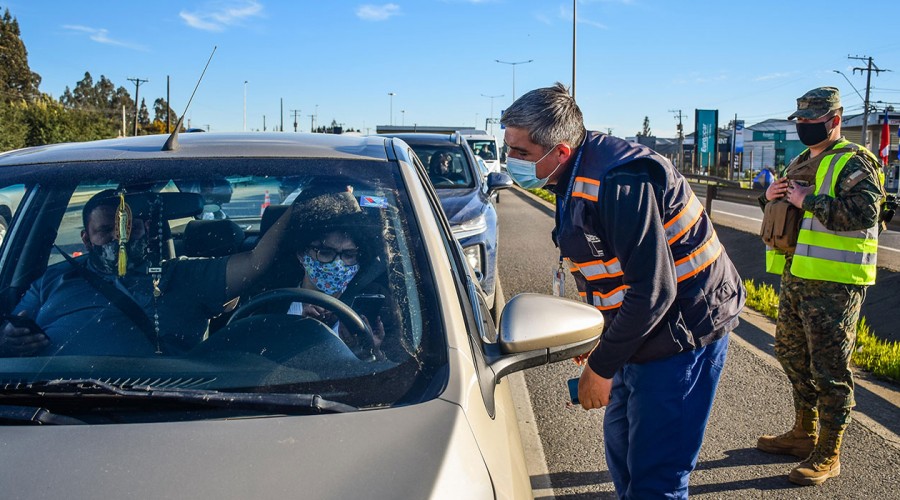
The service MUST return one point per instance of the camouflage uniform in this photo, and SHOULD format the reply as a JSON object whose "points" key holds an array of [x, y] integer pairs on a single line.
{"points": [[816, 329]]}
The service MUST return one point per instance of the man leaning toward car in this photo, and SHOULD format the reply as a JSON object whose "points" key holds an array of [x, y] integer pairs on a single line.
{"points": [[643, 251]]}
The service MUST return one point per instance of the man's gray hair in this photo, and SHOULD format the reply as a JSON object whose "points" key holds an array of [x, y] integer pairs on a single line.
{"points": [[549, 114]]}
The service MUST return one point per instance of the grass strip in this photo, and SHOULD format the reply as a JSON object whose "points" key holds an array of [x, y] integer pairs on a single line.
{"points": [[876, 356]]}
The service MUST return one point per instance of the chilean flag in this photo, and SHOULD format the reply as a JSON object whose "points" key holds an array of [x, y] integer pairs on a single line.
{"points": [[885, 150]]}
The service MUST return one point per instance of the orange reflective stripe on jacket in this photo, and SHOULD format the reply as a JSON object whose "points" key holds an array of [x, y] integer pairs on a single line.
{"points": [[586, 188], [607, 301], [683, 220], [699, 259], [598, 269]]}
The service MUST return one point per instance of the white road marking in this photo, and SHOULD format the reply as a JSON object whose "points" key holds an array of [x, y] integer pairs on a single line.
{"points": [[880, 247]]}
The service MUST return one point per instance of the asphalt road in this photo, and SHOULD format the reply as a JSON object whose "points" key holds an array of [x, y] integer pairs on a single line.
{"points": [[753, 398]]}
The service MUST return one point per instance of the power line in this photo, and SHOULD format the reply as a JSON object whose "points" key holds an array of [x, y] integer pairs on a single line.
{"points": [[870, 67], [137, 89], [296, 113]]}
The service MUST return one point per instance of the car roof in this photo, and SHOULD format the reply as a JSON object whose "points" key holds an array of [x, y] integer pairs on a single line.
{"points": [[479, 135], [421, 138], [207, 145]]}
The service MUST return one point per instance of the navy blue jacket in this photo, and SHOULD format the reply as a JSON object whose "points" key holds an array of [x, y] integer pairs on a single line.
{"points": [[643, 250]]}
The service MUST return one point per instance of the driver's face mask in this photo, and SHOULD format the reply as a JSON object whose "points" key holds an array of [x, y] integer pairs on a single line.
{"points": [[105, 258], [331, 278]]}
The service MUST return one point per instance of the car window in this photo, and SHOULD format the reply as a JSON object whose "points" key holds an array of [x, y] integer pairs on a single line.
{"points": [[447, 165], [185, 323], [10, 198], [485, 149]]}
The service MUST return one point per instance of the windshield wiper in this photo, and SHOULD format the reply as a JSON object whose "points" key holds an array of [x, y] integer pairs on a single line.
{"points": [[281, 402], [35, 415]]}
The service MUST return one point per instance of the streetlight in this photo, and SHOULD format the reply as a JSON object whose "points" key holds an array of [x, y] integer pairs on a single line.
{"points": [[492, 97], [851, 83], [317, 115], [514, 64], [402, 117], [392, 94], [245, 105], [865, 125]]}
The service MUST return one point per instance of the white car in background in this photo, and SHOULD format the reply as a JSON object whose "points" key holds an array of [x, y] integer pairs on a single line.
{"points": [[486, 147]]}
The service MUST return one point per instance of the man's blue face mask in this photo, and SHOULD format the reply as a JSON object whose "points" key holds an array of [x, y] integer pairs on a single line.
{"points": [[524, 172]]}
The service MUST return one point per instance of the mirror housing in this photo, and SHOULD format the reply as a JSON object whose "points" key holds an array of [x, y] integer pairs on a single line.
{"points": [[497, 181], [536, 330]]}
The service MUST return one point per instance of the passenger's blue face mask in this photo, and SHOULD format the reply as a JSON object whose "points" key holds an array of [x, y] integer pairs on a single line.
{"points": [[524, 172]]}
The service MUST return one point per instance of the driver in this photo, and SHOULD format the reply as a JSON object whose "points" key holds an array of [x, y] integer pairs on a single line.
{"points": [[441, 164], [64, 313], [330, 262]]}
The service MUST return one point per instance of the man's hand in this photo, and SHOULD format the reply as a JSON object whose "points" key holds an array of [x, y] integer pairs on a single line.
{"points": [[21, 340], [777, 189], [796, 193], [593, 390]]}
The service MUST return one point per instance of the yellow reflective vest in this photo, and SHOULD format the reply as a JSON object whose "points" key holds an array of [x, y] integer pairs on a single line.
{"points": [[822, 254]]}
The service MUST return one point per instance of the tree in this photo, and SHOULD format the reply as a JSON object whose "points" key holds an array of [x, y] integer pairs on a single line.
{"points": [[160, 110], [645, 131], [143, 116], [17, 81]]}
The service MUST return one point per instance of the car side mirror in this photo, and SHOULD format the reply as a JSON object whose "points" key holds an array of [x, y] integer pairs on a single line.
{"points": [[497, 181], [536, 330]]}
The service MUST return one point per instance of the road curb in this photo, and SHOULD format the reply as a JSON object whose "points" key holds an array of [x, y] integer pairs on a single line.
{"points": [[535, 459]]}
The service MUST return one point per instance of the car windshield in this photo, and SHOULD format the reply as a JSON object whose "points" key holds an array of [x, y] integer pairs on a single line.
{"points": [[486, 149], [448, 165], [343, 307]]}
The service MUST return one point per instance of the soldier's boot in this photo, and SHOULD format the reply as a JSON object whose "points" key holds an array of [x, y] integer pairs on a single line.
{"points": [[823, 463], [798, 441]]}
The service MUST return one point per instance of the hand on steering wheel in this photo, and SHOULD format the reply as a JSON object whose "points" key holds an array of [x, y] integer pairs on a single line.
{"points": [[354, 324]]}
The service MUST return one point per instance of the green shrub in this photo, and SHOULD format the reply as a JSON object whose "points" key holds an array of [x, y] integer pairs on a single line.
{"points": [[762, 298], [879, 357], [544, 194]]}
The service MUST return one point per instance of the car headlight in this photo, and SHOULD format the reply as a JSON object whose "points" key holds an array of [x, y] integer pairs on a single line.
{"points": [[473, 257], [470, 227]]}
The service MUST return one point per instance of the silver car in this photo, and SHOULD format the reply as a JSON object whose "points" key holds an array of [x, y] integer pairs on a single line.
{"points": [[392, 387]]}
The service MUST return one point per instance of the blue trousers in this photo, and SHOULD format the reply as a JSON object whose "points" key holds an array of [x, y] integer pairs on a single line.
{"points": [[654, 424]]}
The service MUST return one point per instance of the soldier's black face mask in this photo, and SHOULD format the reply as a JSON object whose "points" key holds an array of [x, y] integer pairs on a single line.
{"points": [[813, 133]]}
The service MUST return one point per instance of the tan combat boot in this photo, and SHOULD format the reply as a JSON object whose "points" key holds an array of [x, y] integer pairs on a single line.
{"points": [[823, 463], [798, 441]]}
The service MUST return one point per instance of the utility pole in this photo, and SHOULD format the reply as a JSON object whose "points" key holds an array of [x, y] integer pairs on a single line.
{"points": [[168, 107], [680, 129], [574, 24], [870, 67], [733, 148], [137, 89], [311, 118], [296, 113], [281, 126], [264, 123]]}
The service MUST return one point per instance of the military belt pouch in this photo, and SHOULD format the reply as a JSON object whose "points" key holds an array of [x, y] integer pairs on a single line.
{"points": [[781, 224]]}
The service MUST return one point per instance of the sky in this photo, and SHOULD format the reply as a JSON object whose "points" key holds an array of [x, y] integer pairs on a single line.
{"points": [[340, 60]]}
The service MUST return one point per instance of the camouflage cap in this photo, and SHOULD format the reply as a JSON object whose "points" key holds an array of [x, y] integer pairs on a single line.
{"points": [[817, 103]]}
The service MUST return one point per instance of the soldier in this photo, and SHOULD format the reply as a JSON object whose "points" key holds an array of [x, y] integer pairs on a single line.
{"points": [[825, 270]]}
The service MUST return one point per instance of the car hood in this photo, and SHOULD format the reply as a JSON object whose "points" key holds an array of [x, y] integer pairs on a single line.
{"points": [[461, 205], [420, 451]]}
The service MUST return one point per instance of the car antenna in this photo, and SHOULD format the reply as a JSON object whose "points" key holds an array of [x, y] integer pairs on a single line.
{"points": [[172, 142]]}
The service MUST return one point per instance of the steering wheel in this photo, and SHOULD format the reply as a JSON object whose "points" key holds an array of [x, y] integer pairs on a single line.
{"points": [[440, 179], [347, 316]]}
